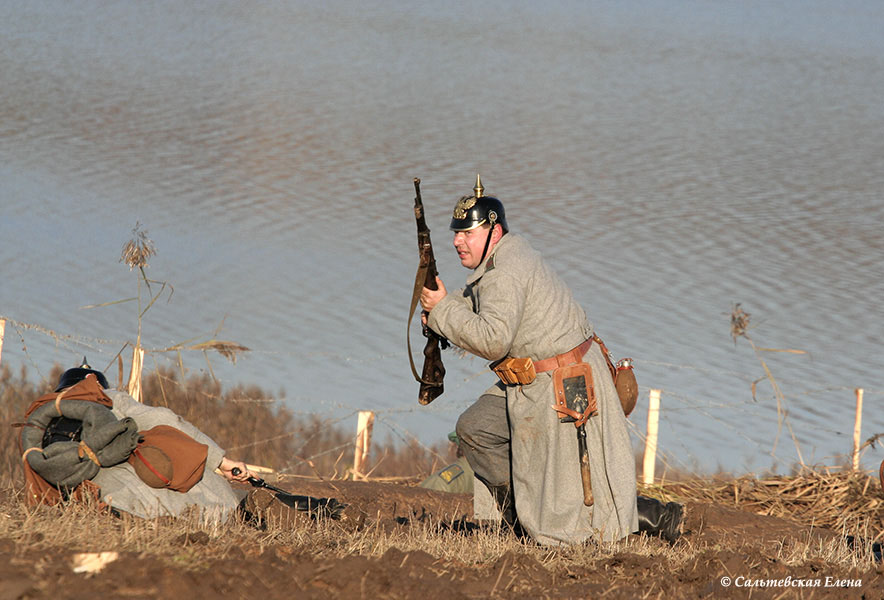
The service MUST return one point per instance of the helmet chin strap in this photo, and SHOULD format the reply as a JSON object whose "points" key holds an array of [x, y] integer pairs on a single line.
{"points": [[487, 241]]}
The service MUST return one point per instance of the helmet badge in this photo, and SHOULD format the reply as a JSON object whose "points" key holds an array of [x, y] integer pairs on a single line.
{"points": [[463, 205]]}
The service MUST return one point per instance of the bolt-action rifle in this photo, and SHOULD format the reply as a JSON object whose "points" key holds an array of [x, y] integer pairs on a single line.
{"points": [[434, 371], [317, 507]]}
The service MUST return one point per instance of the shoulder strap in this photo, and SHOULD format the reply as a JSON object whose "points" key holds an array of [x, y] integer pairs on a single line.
{"points": [[419, 280]]}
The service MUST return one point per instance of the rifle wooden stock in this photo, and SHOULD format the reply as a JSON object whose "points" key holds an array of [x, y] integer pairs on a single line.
{"points": [[433, 373]]}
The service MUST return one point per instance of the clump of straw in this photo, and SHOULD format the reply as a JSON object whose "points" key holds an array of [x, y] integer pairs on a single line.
{"points": [[838, 499]]}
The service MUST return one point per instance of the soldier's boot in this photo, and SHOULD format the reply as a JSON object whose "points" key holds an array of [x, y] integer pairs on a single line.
{"points": [[657, 518], [506, 503]]}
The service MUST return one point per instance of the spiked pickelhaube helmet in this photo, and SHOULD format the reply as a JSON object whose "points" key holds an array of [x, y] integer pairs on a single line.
{"points": [[478, 209], [78, 374]]}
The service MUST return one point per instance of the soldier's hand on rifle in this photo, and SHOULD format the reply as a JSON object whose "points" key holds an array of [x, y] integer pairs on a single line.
{"points": [[227, 466], [430, 298]]}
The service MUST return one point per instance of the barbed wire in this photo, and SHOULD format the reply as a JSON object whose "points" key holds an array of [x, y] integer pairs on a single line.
{"points": [[677, 402], [96, 343]]}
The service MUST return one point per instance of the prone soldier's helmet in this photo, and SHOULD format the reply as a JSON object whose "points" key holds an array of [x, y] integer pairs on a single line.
{"points": [[78, 374], [478, 209]]}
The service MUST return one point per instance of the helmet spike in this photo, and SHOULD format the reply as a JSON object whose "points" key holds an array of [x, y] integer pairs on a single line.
{"points": [[479, 190], [78, 374]]}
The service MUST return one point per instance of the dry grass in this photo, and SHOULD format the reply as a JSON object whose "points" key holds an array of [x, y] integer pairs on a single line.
{"points": [[246, 420], [835, 499], [191, 543]]}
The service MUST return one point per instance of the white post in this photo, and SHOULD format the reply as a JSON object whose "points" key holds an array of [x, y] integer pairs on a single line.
{"points": [[363, 442], [651, 440], [857, 427], [134, 386], [2, 330]]}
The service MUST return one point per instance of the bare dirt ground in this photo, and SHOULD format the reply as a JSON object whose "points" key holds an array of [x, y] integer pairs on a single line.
{"points": [[719, 543]]}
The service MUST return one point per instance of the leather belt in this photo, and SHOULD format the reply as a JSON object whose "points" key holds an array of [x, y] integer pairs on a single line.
{"points": [[575, 355]]}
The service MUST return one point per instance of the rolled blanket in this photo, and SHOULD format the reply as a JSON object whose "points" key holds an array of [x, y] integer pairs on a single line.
{"points": [[105, 441]]}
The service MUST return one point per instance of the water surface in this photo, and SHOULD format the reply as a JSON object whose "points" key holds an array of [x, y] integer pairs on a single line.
{"points": [[670, 158]]}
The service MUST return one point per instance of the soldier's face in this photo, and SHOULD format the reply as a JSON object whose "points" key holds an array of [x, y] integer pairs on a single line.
{"points": [[470, 244]]}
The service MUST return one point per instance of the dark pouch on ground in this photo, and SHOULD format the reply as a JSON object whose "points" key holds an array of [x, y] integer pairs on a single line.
{"points": [[575, 395], [62, 429]]}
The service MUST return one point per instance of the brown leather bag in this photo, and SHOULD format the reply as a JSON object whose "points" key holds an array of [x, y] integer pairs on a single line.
{"points": [[169, 458]]}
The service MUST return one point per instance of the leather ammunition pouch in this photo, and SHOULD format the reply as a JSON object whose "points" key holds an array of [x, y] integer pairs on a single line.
{"points": [[515, 371]]}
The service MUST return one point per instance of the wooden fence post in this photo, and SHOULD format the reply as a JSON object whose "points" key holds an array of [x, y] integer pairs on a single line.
{"points": [[651, 440], [857, 427], [134, 386], [363, 442]]}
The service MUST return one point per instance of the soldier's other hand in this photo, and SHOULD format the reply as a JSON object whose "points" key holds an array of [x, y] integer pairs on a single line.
{"points": [[430, 298]]}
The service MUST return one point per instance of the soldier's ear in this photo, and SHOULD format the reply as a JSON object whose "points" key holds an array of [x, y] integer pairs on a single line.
{"points": [[497, 233]]}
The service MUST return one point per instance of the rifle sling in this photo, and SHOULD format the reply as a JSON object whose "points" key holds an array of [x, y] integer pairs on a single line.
{"points": [[419, 280]]}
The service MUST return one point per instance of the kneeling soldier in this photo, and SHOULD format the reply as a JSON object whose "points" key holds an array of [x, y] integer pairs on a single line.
{"points": [[519, 436]]}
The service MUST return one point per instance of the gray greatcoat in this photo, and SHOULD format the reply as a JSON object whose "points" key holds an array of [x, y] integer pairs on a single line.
{"points": [[515, 305], [122, 489]]}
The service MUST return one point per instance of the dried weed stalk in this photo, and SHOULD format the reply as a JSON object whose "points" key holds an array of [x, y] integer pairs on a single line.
{"points": [[136, 254], [740, 324]]}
